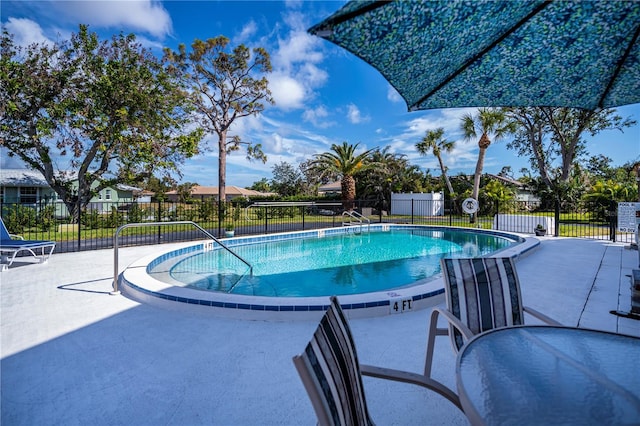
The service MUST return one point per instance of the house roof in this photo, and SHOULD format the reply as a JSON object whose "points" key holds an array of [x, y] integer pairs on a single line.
{"points": [[331, 187], [505, 179], [230, 190], [33, 178], [123, 187], [22, 177]]}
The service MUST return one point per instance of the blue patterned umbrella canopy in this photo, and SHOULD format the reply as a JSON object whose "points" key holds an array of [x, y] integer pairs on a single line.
{"points": [[478, 53]]}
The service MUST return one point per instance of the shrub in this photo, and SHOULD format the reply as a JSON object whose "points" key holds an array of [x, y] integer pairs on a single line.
{"points": [[46, 218], [91, 219], [17, 217], [136, 213]]}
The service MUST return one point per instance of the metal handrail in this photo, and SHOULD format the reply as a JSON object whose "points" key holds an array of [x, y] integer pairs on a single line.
{"points": [[139, 225], [358, 217]]}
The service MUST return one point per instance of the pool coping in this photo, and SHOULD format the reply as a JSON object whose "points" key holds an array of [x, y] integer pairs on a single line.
{"points": [[138, 284]]}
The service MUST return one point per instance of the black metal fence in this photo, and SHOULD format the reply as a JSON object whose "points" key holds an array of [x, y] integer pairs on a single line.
{"points": [[98, 222]]}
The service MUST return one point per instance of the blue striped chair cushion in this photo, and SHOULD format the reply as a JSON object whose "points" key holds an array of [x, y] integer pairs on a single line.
{"points": [[484, 293], [332, 358]]}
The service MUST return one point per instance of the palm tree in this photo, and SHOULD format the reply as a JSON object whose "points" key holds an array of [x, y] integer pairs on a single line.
{"points": [[344, 164], [488, 121], [433, 141]]}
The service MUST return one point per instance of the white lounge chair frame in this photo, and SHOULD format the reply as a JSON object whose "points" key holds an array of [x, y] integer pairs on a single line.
{"points": [[11, 245]]}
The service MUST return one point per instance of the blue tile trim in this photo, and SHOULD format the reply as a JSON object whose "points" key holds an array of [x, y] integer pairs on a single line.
{"points": [[273, 308]]}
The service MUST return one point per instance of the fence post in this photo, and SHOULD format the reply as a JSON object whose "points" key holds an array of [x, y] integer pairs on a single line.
{"points": [[79, 222], [556, 230], [412, 211], [612, 214], [266, 220], [159, 219]]}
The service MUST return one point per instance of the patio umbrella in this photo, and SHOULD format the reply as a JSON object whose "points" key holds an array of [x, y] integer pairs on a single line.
{"points": [[444, 54]]}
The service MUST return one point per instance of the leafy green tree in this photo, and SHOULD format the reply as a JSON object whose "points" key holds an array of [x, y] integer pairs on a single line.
{"points": [[435, 142], [287, 180], [312, 178], [392, 173], [553, 138], [487, 122], [634, 169], [184, 192], [344, 163], [262, 185], [605, 193], [159, 186], [497, 192], [226, 85], [609, 190], [109, 107], [600, 166]]}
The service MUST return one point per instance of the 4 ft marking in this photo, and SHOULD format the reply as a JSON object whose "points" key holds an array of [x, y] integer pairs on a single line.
{"points": [[401, 305]]}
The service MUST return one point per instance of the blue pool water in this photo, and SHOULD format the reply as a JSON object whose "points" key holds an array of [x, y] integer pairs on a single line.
{"points": [[332, 265]]}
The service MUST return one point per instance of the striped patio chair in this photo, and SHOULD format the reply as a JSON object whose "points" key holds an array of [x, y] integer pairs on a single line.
{"points": [[481, 294], [332, 376]]}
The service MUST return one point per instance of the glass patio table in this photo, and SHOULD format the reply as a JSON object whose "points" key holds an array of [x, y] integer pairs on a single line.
{"points": [[550, 375]]}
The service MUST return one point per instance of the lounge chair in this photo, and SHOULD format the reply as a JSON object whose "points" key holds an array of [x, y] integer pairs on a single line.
{"points": [[481, 294], [11, 245], [332, 375]]}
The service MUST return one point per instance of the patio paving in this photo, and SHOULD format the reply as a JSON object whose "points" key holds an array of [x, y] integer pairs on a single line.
{"points": [[73, 354]]}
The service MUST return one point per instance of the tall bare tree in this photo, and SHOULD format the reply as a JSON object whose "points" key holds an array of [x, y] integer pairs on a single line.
{"points": [[227, 84]]}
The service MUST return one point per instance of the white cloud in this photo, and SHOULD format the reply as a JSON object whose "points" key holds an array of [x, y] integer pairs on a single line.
{"points": [[26, 32], [354, 115], [296, 74], [248, 31], [139, 15], [297, 47], [316, 117], [287, 92], [462, 158]]}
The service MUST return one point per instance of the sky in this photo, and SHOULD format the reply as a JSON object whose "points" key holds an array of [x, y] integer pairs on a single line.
{"points": [[323, 94]]}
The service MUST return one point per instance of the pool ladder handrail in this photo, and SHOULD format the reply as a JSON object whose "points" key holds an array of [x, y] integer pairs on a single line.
{"points": [[357, 217], [181, 222]]}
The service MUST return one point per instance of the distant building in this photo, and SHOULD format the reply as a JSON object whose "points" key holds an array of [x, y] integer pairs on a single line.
{"points": [[520, 189], [25, 186], [331, 188], [208, 192]]}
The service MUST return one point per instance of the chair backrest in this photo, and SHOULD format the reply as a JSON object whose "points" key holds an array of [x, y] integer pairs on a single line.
{"points": [[4, 233], [330, 372], [483, 293]]}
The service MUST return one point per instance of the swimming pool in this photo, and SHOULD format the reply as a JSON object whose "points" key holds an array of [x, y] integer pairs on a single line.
{"points": [[346, 263], [393, 266]]}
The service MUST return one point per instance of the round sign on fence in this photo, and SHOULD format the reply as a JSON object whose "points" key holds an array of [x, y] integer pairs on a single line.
{"points": [[470, 205]]}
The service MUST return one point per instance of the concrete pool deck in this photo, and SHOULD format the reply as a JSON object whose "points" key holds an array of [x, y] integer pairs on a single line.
{"points": [[71, 353]]}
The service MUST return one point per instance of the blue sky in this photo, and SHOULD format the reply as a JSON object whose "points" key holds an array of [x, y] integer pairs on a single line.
{"points": [[323, 93]]}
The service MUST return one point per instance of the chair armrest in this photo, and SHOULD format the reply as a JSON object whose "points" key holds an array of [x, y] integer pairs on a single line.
{"points": [[454, 321], [16, 237], [412, 378], [540, 316]]}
